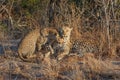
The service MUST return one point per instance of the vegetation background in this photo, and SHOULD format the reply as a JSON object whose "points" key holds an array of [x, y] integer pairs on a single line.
{"points": [[97, 20]]}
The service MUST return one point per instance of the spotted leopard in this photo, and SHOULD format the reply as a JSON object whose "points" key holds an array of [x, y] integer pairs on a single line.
{"points": [[81, 47]]}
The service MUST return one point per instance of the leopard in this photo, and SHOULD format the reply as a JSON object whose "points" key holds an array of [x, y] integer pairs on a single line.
{"points": [[82, 46], [32, 43], [44, 38], [27, 45], [61, 46], [49, 34]]}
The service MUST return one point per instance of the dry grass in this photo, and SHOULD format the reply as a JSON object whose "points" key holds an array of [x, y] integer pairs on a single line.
{"points": [[70, 68], [90, 67]]}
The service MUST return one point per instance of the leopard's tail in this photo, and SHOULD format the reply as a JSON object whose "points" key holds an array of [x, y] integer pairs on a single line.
{"points": [[26, 59]]}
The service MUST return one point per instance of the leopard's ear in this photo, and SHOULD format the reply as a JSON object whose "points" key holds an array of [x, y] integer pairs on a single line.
{"points": [[71, 28]]}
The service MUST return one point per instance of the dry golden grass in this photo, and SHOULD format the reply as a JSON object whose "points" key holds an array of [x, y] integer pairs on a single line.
{"points": [[69, 68], [75, 34]]}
